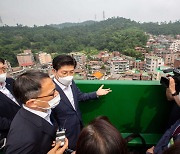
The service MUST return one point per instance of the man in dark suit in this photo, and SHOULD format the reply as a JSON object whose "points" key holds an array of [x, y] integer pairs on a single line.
{"points": [[8, 104], [67, 113], [31, 130]]}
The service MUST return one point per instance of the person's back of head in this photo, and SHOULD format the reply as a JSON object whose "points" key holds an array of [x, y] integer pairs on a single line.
{"points": [[100, 137]]}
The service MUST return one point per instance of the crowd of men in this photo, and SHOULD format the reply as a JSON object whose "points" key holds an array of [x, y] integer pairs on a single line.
{"points": [[34, 107]]}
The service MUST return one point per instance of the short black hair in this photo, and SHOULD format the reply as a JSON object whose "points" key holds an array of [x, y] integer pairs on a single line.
{"points": [[63, 60], [100, 136], [28, 85], [2, 60]]}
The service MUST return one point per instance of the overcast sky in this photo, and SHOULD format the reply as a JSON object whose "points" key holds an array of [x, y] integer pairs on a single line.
{"points": [[41, 12]]}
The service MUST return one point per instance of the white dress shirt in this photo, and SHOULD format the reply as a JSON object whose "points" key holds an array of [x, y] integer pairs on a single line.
{"points": [[6, 92], [44, 115], [68, 92]]}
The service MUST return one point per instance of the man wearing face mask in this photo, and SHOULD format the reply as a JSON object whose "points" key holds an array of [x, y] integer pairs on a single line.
{"points": [[67, 113], [32, 130], [8, 104]]}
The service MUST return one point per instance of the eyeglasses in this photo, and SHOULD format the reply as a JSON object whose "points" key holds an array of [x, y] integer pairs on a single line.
{"points": [[53, 94]]}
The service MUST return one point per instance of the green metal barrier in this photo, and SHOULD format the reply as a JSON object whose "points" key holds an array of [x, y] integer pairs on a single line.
{"points": [[132, 106]]}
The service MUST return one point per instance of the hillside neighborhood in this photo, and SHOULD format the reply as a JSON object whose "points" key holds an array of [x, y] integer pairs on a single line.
{"points": [[161, 52]]}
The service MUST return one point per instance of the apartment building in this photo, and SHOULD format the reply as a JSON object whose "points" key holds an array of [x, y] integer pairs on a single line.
{"points": [[44, 58], [169, 58], [138, 64], [153, 62], [175, 46], [25, 59], [118, 65]]}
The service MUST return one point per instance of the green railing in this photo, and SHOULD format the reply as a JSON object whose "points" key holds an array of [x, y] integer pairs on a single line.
{"points": [[132, 106]]}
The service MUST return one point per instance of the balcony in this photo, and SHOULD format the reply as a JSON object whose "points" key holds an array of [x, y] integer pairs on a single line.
{"points": [[132, 106]]}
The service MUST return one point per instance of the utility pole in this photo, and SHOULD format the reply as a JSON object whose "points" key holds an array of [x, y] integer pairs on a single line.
{"points": [[1, 23], [104, 15]]}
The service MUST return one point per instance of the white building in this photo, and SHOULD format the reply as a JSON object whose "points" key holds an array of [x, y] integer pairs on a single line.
{"points": [[175, 46], [153, 62], [119, 65]]}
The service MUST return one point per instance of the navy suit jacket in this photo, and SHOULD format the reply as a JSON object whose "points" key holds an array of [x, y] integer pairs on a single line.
{"points": [[163, 142], [69, 118], [8, 109], [29, 134]]}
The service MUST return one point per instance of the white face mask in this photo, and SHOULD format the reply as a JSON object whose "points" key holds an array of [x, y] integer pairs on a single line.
{"points": [[52, 103], [65, 80], [2, 77]]}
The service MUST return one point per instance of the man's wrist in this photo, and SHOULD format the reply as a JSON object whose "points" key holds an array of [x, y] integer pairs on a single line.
{"points": [[97, 94]]}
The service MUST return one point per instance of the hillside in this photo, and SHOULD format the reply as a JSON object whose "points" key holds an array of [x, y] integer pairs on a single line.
{"points": [[114, 34], [70, 24]]}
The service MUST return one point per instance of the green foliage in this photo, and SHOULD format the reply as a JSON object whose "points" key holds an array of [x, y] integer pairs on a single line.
{"points": [[163, 28], [133, 53], [90, 51], [114, 34]]}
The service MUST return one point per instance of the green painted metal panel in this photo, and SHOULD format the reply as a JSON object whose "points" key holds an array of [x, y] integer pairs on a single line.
{"points": [[132, 106]]}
